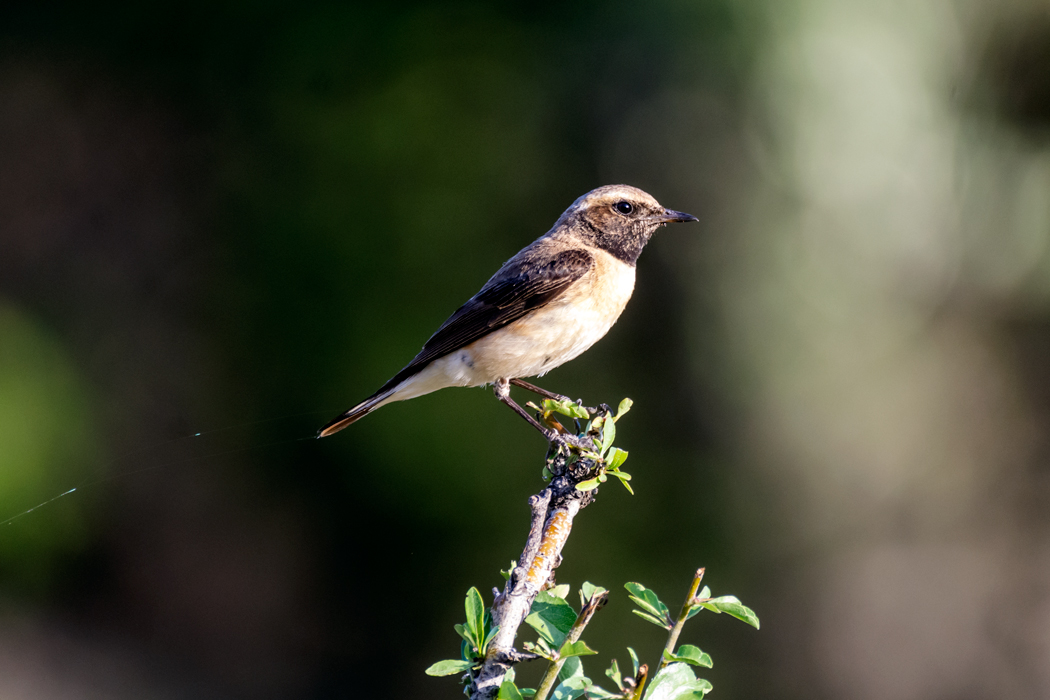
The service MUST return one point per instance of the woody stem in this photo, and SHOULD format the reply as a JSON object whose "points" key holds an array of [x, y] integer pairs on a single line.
{"points": [[672, 638]]}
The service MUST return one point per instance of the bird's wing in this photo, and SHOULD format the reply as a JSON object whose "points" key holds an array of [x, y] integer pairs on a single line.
{"points": [[518, 288]]}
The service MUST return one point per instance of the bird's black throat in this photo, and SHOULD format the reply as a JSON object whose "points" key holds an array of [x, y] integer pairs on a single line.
{"points": [[623, 243]]}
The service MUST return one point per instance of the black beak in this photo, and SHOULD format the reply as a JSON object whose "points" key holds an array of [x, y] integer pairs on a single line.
{"points": [[672, 217]]}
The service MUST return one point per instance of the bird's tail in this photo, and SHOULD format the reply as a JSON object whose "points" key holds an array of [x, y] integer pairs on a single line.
{"points": [[356, 413]]}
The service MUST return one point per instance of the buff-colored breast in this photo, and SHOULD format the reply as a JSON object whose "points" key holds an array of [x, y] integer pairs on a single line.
{"points": [[548, 336]]}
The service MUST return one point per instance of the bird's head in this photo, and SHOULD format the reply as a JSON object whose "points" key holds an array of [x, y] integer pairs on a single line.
{"points": [[619, 219]]}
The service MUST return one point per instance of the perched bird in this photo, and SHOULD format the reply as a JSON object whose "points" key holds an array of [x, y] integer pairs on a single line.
{"points": [[546, 305]]}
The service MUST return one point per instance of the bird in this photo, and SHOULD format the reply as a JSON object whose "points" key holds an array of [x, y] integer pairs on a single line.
{"points": [[549, 303]]}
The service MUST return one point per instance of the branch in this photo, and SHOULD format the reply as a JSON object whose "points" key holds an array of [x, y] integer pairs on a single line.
{"points": [[553, 511]]}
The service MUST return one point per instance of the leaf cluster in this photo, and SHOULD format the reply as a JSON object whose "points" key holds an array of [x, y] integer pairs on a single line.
{"points": [[653, 610], [477, 633], [555, 621], [553, 618], [558, 627], [599, 433]]}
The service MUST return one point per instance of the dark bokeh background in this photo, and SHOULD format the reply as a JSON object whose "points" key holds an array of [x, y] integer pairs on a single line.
{"points": [[238, 219]]}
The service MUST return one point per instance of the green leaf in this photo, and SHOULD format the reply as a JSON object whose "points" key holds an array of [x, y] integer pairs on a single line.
{"points": [[623, 408], [505, 573], [488, 638], [571, 668], [588, 485], [546, 474], [596, 691], [486, 623], [624, 478], [613, 672], [566, 408], [690, 655], [565, 692], [561, 591], [615, 458], [465, 633], [731, 605], [552, 618], [509, 691], [634, 661], [647, 600], [449, 667], [571, 688], [677, 682], [540, 649], [608, 435], [579, 648], [573, 682], [645, 605], [475, 607], [650, 618], [588, 591]]}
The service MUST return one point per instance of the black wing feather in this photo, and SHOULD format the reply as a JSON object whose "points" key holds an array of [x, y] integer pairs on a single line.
{"points": [[518, 288]]}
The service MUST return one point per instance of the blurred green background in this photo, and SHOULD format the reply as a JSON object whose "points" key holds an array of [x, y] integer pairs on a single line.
{"points": [[237, 219]]}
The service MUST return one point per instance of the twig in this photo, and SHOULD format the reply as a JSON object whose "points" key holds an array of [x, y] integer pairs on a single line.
{"points": [[551, 676], [639, 682], [672, 639]]}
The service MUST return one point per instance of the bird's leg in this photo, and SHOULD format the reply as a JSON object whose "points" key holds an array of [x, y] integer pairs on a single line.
{"points": [[502, 391], [551, 395], [539, 390]]}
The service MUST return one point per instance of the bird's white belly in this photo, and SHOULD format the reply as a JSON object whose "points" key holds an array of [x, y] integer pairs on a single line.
{"points": [[546, 337]]}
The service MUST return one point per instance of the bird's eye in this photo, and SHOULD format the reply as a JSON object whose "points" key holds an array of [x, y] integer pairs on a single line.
{"points": [[623, 207]]}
